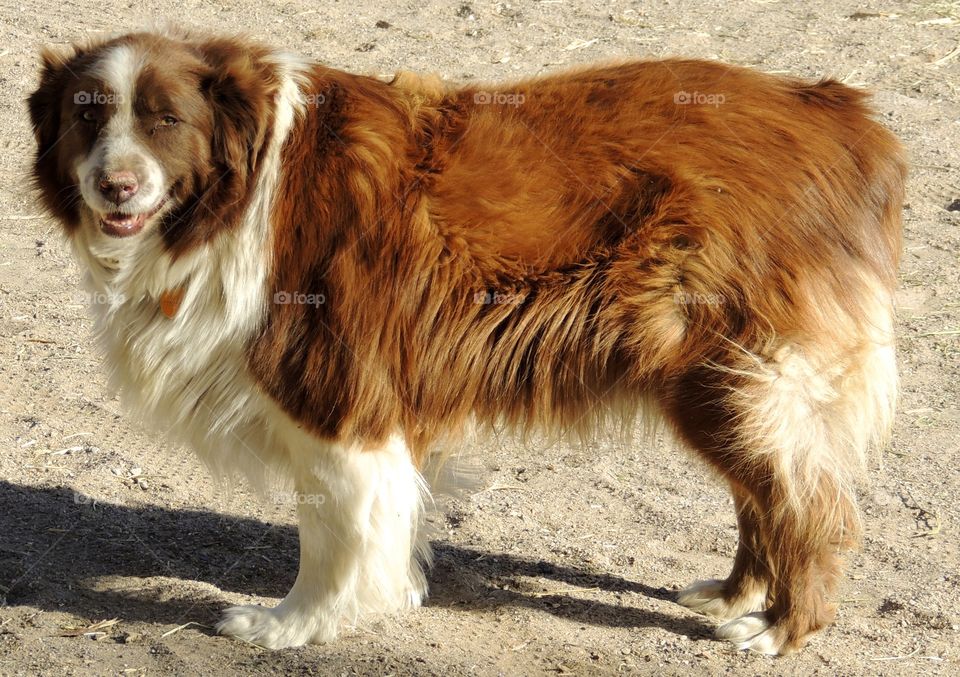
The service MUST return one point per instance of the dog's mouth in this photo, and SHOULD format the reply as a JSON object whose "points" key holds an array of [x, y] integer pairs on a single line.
{"points": [[117, 224]]}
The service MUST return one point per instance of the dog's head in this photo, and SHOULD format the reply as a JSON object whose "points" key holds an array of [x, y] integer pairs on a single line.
{"points": [[151, 131]]}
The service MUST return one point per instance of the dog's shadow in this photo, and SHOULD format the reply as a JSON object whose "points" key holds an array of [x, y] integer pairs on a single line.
{"points": [[56, 543]]}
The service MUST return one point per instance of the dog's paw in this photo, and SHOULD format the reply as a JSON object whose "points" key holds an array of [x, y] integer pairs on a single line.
{"points": [[705, 597], [257, 625], [270, 628], [709, 598], [754, 632]]}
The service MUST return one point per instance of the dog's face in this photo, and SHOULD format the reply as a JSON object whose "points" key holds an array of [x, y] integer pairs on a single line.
{"points": [[146, 132]]}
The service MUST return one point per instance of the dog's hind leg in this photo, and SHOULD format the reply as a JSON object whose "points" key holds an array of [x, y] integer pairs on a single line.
{"points": [[790, 428], [803, 543], [359, 511], [745, 589]]}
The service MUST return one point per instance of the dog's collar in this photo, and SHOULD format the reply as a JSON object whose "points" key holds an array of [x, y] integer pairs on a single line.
{"points": [[170, 301]]}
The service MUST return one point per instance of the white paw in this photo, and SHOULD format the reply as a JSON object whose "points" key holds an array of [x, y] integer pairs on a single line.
{"points": [[752, 632], [269, 628], [707, 597]]}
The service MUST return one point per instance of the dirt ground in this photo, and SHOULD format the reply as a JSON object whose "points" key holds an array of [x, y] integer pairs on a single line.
{"points": [[567, 559]]}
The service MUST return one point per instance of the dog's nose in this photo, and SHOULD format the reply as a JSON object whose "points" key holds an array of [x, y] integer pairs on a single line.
{"points": [[119, 187]]}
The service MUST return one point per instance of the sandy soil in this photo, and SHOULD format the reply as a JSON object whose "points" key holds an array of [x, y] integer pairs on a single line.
{"points": [[567, 559]]}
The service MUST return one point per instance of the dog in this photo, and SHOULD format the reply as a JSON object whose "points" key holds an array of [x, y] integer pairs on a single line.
{"points": [[326, 278]]}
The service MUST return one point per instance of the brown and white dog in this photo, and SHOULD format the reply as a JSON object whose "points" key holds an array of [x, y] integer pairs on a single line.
{"points": [[316, 275]]}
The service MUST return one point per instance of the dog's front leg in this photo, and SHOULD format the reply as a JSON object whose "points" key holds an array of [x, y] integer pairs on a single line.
{"points": [[359, 512]]}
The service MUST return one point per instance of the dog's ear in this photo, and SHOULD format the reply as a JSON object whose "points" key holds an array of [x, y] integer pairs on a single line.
{"points": [[240, 88], [45, 104]]}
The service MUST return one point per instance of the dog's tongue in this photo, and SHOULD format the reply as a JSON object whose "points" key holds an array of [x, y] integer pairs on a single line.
{"points": [[122, 225]]}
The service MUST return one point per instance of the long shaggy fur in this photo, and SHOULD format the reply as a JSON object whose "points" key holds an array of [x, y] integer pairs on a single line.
{"points": [[368, 268]]}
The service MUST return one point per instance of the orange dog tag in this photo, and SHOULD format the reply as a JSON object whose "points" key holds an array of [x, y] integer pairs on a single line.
{"points": [[170, 301]]}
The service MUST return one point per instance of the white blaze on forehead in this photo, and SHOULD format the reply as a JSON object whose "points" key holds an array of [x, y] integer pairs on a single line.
{"points": [[118, 70], [118, 147]]}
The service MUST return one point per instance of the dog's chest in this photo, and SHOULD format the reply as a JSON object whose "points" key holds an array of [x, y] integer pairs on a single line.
{"points": [[178, 357]]}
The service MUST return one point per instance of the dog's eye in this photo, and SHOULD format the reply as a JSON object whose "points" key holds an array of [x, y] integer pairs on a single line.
{"points": [[88, 116], [168, 121]]}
